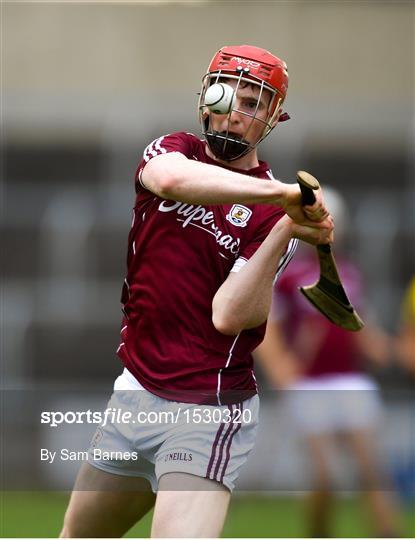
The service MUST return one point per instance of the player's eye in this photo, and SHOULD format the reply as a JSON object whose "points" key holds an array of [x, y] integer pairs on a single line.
{"points": [[252, 104]]}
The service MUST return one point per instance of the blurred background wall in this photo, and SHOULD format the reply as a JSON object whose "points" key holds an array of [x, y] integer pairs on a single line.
{"points": [[86, 86]]}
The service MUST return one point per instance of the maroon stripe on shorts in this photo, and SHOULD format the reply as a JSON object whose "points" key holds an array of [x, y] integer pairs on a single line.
{"points": [[228, 431], [228, 447], [213, 454]]}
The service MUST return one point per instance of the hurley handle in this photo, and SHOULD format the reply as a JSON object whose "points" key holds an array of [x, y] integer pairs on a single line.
{"points": [[308, 184]]}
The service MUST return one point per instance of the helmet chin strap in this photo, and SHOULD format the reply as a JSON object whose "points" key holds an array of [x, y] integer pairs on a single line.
{"points": [[226, 147]]}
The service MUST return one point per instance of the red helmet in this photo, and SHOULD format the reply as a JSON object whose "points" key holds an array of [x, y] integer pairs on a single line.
{"points": [[262, 65], [256, 66]]}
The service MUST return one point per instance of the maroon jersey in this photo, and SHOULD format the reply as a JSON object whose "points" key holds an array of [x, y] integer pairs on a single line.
{"points": [[178, 256], [322, 347]]}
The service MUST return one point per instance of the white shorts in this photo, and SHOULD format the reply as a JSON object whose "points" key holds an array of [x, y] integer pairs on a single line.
{"points": [[150, 436], [333, 403]]}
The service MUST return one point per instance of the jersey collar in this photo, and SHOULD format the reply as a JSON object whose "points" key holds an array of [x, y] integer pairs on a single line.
{"points": [[263, 166]]}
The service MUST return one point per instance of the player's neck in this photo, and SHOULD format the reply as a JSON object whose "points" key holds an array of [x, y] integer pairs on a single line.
{"points": [[245, 163]]}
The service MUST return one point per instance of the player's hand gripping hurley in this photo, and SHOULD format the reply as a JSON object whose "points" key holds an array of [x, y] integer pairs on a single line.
{"points": [[328, 294]]}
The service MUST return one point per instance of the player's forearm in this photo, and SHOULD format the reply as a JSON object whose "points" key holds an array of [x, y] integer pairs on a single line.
{"points": [[193, 182], [244, 299]]}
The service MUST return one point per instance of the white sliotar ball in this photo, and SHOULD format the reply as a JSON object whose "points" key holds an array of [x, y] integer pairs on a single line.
{"points": [[220, 98]]}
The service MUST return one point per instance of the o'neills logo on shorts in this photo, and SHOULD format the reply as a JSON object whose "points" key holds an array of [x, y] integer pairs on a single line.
{"points": [[178, 456]]}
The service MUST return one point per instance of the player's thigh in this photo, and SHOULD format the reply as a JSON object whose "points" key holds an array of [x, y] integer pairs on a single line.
{"points": [[105, 505], [189, 506]]}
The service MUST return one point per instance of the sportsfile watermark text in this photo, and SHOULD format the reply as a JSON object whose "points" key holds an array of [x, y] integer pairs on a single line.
{"points": [[112, 415]]}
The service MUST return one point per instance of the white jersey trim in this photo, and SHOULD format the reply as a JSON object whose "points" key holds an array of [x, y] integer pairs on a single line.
{"points": [[154, 148], [292, 245], [286, 258], [226, 365], [239, 263], [270, 175], [151, 150]]}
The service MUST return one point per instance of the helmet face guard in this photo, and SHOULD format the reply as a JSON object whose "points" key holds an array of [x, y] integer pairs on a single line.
{"points": [[244, 65]]}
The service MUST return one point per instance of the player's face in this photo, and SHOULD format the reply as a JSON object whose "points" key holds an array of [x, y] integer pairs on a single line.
{"points": [[240, 121]]}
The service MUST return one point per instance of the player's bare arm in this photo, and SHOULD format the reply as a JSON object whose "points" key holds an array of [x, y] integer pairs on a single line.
{"points": [[173, 176], [244, 299]]}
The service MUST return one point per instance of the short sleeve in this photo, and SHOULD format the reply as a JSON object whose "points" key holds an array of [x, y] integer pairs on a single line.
{"points": [[174, 142], [261, 233]]}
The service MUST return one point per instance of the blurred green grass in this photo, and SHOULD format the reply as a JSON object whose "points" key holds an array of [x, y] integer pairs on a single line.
{"points": [[35, 514]]}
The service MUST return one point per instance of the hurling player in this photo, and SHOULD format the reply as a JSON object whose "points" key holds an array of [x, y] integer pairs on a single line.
{"points": [[211, 230], [328, 395]]}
